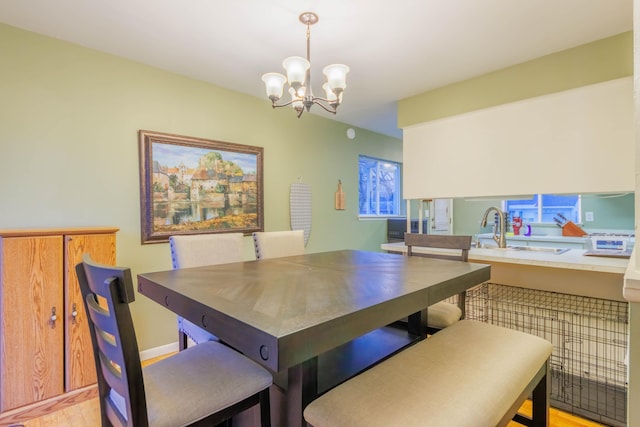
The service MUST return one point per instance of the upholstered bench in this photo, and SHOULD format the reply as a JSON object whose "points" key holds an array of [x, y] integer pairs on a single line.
{"points": [[470, 374]]}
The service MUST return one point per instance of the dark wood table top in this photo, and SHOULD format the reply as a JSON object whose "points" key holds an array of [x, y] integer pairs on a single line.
{"points": [[283, 311]]}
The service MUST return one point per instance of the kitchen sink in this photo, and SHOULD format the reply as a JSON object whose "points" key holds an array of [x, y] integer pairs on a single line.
{"points": [[543, 249], [539, 249]]}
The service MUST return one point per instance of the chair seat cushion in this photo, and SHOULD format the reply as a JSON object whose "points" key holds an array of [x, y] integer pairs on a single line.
{"points": [[199, 381], [195, 333], [443, 314]]}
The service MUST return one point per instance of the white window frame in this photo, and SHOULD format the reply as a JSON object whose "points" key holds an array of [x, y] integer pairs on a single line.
{"points": [[540, 207], [397, 191]]}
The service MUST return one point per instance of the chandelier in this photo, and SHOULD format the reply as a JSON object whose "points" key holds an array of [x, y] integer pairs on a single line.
{"points": [[299, 79]]}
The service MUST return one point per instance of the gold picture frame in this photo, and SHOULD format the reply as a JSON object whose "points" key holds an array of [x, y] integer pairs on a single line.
{"points": [[193, 185]]}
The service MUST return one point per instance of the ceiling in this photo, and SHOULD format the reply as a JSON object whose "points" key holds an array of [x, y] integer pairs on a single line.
{"points": [[395, 50]]}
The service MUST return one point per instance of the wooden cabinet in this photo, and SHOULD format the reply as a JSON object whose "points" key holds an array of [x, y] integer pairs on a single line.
{"points": [[45, 344]]}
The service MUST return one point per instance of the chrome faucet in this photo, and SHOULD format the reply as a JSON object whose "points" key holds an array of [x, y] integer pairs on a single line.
{"points": [[502, 226]]}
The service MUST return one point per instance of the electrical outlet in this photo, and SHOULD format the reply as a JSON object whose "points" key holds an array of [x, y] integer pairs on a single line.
{"points": [[588, 216]]}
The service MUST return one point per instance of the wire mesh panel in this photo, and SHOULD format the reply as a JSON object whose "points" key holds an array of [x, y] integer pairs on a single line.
{"points": [[589, 337]]}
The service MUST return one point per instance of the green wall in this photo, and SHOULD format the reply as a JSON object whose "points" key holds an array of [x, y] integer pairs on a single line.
{"points": [[610, 211], [69, 119], [595, 62]]}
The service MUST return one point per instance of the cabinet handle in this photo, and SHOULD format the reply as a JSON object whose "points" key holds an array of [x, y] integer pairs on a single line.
{"points": [[74, 313], [54, 317]]}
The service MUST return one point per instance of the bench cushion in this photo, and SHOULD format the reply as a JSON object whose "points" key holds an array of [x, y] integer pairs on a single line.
{"points": [[469, 374]]}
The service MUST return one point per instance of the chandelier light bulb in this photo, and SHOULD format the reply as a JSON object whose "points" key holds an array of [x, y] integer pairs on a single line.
{"points": [[331, 96], [336, 76], [296, 101], [274, 83], [296, 67]]}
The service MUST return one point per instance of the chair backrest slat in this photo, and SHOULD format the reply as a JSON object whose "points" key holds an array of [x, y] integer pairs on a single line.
{"points": [[113, 414], [439, 241], [111, 355], [102, 320]]}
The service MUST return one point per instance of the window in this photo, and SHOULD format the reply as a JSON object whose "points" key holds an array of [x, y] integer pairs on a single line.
{"points": [[543, 208], [379, 192]]}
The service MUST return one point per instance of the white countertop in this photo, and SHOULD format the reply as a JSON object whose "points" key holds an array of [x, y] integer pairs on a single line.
{"points": [[572, 259]]}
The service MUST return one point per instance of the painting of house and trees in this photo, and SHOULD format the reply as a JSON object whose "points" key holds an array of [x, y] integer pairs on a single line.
{"points": [[193, 185]]}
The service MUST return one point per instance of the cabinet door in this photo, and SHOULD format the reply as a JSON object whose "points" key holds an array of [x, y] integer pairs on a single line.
{"points": [[31, 341], [80, 368]]}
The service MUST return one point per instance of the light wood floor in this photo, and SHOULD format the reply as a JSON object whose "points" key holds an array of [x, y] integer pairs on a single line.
{"points": [[557, 418], [87, 413]]}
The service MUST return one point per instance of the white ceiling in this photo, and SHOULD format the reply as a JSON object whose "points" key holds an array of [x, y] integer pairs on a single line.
{"points": [[395, 50]]}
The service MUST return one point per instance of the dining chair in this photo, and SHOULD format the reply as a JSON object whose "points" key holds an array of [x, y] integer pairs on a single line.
{"points": [[443, 313], [275, 244], [205, 384], [197, 251]]}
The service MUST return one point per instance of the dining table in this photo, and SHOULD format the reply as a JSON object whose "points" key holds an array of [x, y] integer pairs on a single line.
{"points": [[288, 313]]}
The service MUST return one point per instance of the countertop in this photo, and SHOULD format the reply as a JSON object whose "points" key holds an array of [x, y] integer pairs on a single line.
{"points": [[572, 259]]}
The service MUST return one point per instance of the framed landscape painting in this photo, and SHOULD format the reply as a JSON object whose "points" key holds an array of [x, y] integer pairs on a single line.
{"points": [[194, 185]]}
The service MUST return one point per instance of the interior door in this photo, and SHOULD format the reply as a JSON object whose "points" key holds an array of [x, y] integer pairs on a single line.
{"points": [[441, 219]]}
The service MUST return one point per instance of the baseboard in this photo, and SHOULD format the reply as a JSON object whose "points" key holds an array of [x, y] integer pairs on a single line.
{"points": [[159, 351]]}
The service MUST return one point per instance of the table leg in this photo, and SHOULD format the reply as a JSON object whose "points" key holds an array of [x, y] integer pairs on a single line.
{"points": [[416, 324], [301, 390], [462, 298]]}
